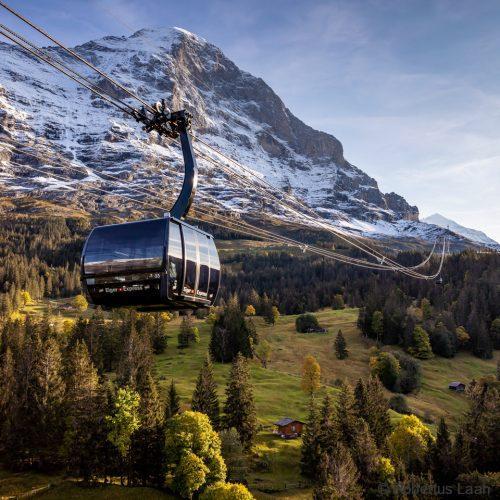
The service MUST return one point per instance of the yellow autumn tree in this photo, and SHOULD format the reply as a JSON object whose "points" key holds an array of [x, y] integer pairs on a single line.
{"points": [[26, 298], [80, 303], [462, 336], [410, 441], [311, 375], [250, 310]]}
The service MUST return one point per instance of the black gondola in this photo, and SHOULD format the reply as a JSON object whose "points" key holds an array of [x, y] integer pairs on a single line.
{"points": [[155, 264]]}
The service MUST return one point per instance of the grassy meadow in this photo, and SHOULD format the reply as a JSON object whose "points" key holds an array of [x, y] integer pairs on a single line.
{"points": [[277, 394]]}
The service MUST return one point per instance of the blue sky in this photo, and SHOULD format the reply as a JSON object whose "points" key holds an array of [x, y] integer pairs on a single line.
{"points": [[410, 87]]}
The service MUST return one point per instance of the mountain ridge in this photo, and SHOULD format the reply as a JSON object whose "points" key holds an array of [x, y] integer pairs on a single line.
{"points": [[234, 111]]}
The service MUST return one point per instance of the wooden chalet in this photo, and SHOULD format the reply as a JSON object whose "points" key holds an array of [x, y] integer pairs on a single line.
{"points": [[457, 386], [288, 428]]}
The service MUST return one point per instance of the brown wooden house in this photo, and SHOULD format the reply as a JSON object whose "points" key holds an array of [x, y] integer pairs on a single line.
{"points": [[288, 428]]}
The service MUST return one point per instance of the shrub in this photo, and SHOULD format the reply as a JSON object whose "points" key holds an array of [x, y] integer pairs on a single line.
{"points": [[306, 322], [227, 491], [338, 302], [443, 341], [385, 366], [398, 403], [410, 374], [420, 346]]}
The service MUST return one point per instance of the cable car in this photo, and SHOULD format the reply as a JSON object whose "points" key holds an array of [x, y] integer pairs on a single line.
{"points": [[155, 264]]}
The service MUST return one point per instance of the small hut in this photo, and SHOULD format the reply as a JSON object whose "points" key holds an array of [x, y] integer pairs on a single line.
{"points": [[457, 386], [288, 428]]}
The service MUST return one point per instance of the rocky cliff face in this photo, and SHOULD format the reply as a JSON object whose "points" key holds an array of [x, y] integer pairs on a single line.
{"points": [[42, 111]]}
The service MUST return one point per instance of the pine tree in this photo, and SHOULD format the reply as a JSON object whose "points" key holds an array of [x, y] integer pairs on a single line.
{"points": [[159, 339], [377, 411], [136, 356], [22, 439], [346, 419], [173, 406], [461, 456], [8, 393], [361, 396], [232, 333], [150, 406], [377, 325], [341, 346], [188, 333], [310, 450], [239, 408], [328, 430], [205, 399], [338, 476], [366, 456], [441, 455], [51, 397], [147, 456], [86, 432]]}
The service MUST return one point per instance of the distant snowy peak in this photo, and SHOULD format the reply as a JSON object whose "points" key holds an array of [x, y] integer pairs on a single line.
{"points": [[470, 234]]}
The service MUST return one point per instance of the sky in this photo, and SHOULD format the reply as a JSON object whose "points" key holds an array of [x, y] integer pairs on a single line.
{"points": [[410, 87]]}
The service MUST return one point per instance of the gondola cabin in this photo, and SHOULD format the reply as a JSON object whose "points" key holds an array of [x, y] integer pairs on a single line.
{"points": [[157, 264]]}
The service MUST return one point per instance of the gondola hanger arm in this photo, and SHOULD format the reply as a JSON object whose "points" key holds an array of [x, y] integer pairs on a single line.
{"points": [[174, 124]]}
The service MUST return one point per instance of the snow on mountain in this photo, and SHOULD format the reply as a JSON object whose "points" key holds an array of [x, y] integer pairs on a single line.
{"points": [[43, 111], [470, 234]]}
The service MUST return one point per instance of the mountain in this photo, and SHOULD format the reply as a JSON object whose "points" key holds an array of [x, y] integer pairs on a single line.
{"points": [[470, 234], [43, 111]]}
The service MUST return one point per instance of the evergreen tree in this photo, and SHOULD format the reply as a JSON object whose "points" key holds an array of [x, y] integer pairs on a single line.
{"points": [[346, 419], [239, 408], [338, 476], [341, 346], [159, 339], [310, 449], [377, 412], [461, 456], [205, 399], [147, 456], [328, 430], [377, 325], [441, 456], [366, 456], [361, 397], [136, 355], [22, 439], [50, 398], [173, 406], [232, 333], [188, 333], [86, 430], [150, 406], [480, 425]]}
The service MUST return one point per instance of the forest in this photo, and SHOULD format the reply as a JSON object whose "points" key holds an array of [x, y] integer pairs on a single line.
{"points": [[83, 397]]}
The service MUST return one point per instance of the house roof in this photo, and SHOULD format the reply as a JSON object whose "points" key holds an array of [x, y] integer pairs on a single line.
{"points": [[286, 421], [456, 384]]}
